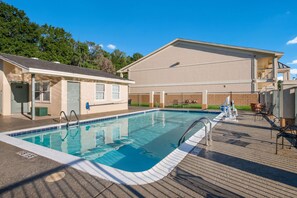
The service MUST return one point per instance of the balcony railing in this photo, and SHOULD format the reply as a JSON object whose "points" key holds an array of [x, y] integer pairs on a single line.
{"points": [[265, 74]]}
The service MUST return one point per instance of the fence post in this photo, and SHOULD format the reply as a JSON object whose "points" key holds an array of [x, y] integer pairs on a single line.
{"points": [[162, 99], [204, 100], [152, 93]]}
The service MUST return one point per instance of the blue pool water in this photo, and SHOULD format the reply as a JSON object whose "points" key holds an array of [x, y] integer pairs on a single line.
{"points": [[133, 143]]}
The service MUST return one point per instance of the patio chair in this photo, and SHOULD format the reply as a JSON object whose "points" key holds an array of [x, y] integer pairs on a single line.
{"points": [[274, 126], [264, 112], [283, 133]]}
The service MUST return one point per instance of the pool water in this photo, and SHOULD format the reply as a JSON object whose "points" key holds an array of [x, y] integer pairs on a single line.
{"points": [[133, 143]]}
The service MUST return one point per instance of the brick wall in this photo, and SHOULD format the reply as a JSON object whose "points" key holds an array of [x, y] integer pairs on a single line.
{"points": [[213, 98], [239, 98]]}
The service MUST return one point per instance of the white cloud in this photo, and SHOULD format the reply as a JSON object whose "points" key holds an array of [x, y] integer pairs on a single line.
{"points": [[280, 78], [101, 45], [293, 41], [111, 46], [294, 62], [293, 71]]}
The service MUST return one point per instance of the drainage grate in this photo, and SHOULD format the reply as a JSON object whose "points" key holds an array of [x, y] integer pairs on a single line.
{"points": [[26, 154]]}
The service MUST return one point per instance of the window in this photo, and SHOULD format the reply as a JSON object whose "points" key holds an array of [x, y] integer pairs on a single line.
{"points": [[100, 90], [115, 92], [42, 91]]}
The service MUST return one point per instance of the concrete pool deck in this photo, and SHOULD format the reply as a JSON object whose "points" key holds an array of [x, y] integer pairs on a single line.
{"points": [[240, 163]]}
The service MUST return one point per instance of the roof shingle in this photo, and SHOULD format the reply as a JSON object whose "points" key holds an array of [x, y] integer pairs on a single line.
{"points": [[46, 65]]}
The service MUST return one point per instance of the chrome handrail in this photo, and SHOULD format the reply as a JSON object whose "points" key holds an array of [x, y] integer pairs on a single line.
{"points": [[77, 120], [63, 112], [208, 136]]}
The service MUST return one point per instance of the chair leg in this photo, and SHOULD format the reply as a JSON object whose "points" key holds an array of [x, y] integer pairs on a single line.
{"points": [[271, 133], [276, 142], [282, 142]]}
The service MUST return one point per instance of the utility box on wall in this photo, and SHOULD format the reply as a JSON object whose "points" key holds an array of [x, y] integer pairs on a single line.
{"points": [[41, 111]]}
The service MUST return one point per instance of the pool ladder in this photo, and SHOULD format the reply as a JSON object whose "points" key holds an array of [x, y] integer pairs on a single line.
{"points": [[70, 116], [208, 135]]}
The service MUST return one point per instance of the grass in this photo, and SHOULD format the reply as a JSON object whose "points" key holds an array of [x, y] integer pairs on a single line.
{"points": [[140, 105], [196, 106]]}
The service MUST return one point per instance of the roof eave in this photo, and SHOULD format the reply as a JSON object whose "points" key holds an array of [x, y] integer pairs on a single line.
{"points": [[24, 68], [75, 75]]}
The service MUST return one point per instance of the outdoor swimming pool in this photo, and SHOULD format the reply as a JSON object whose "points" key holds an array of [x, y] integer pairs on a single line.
{"points": [[133, 148], [131, 143]]}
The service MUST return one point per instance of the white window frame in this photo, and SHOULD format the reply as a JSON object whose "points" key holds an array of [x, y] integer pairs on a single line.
{"points": [[41, 91], [104, 92], [114, 92]]}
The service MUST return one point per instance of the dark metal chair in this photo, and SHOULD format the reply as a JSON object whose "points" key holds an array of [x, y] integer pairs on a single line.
{"points": [[264, 112], [283, 133]]}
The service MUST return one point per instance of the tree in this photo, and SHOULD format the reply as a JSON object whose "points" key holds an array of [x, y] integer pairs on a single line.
{"points": [[98, 59], [17, 34], [118, 59], [55, 44], [81, 55], [136, 56]]}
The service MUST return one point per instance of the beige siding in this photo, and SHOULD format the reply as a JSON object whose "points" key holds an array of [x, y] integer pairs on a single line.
{"points": [[10, 73], [58, 90], [88, 94], [199, 68], [55, 104]]}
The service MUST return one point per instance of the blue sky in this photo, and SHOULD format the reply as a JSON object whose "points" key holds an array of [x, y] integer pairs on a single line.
{"points": [[143, 26]]}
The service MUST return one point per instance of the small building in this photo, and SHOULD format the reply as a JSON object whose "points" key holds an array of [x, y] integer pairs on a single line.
{"points": [[30, 82], [187, 66]]}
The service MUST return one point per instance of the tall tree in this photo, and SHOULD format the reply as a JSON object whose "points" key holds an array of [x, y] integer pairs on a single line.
{"points": [[81, 55], [55, 44], [119, 59], [17, 34]]}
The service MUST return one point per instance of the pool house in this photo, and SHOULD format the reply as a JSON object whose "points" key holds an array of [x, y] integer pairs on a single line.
{"points": [[38, 87]]}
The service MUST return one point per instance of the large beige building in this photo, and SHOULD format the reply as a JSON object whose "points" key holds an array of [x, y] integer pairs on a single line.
{"points": [[30, 82], [193, 66]]}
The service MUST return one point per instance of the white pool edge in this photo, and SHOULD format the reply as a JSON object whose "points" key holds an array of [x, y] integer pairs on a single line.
{"points": [[157, 172]]}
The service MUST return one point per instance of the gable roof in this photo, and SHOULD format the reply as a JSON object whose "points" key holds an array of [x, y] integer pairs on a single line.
{"points": [[282, 66], [33, 65], [246, 49]]}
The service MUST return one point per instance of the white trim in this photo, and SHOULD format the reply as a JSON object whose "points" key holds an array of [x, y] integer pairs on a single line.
{"points": [[41, 101], [159, 171], [115, 99], [195, 83], [104, 92], [75, 75]]}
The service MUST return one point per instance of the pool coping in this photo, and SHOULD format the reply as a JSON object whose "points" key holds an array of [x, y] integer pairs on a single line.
{"points": [[157, 172]]}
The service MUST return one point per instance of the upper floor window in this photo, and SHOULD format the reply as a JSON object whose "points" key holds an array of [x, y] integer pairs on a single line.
{"points": [[115, 91], [42, 91], [100, 91]]}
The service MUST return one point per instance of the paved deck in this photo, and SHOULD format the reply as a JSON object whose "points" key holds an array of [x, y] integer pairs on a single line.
{"points": [[240, 163], [20, 121]]}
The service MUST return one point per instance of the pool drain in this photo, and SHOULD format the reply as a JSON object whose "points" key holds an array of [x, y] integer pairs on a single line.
{"points": [[26, 154], [55, 177]]}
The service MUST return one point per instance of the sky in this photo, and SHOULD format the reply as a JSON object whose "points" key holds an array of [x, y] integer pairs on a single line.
{"points": [[146, 25]]}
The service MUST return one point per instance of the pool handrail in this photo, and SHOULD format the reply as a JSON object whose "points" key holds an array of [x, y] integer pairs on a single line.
{"points": [[63, 112], [77, 119], [208, 136]]}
